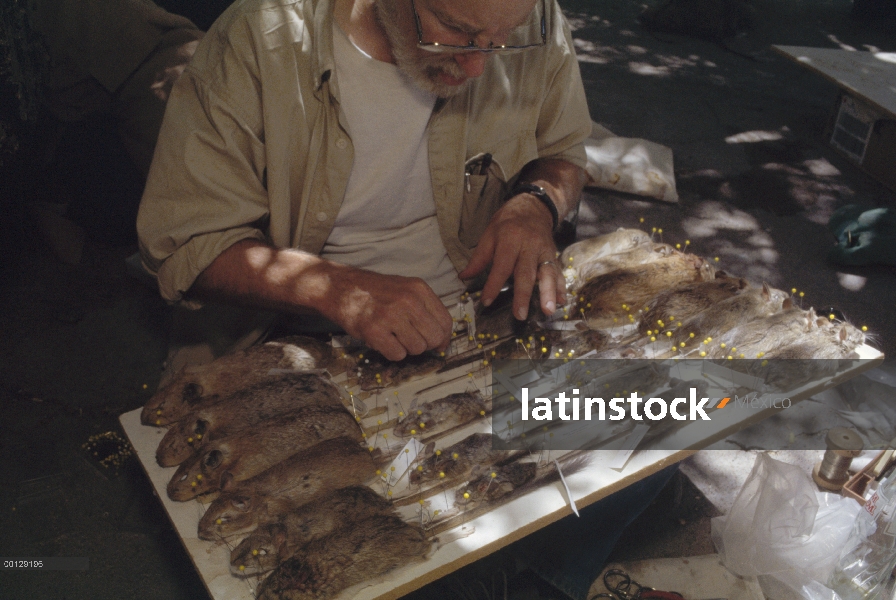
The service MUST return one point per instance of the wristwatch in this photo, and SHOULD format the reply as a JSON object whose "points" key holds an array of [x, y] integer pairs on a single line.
{"points": [[543, 197]]}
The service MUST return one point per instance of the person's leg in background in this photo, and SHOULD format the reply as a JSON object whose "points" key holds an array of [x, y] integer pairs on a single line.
{"points": [[571, 553]]}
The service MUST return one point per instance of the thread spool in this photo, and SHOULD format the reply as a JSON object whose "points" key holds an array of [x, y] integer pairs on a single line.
{"points": [[843, 445]]}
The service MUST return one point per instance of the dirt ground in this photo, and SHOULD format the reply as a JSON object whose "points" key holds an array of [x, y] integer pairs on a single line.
{"points": [[82, 343]]}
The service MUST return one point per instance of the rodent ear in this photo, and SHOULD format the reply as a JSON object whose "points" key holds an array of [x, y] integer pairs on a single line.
{"points": [[843, 333], [429, 449], [212, 459], [766, 292], [279, 539], [787, 304], [192, 392], [241, 503], [227, 481]]}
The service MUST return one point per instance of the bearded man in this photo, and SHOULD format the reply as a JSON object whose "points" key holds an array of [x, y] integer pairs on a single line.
{"points": [[365, 160]]}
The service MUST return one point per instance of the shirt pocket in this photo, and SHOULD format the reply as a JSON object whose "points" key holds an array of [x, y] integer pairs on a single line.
{"points": [[484, 192], [485, 187]]}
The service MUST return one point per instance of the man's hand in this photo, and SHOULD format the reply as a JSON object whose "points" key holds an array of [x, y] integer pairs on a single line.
{"points": [[518, 241], [394, 315]]}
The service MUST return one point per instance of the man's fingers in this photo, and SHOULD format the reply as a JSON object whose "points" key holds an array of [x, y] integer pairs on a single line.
{"points": [[551, 286], [410, 338], [438, 334], [481, 257], [394, 315], [523, 284], [504, 265], [387, 344]]}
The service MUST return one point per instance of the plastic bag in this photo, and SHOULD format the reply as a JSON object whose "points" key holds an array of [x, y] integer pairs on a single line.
{"points": [[784, 531]]}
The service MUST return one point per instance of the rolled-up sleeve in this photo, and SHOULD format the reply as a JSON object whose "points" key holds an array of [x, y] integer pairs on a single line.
{"points": [[206, 187]]}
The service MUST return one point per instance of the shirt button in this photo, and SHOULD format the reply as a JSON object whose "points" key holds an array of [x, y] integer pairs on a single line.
{"points": [[341, 143], [321, 216]]}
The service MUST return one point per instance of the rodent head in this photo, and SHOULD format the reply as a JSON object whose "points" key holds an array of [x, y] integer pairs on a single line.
{"points": [[415, 422], [174, 400], [706, 272], [259, 553], [183, 439], [201, 474], [229, 514], [848, 336], [777, 299], [429, 468]]}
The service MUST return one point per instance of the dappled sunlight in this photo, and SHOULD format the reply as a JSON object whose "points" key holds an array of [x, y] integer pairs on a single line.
{"points": [[783, 181], [851, 282], [667, 64], [642, 61], [821, 167], [618, 37], [633, 57], [580, 21], [751, 137], [755, 174], [805, 187], [761, 239], [588, 51], [753, 264], [601, 40], [713, 217], [736, 238], [645, 69]]}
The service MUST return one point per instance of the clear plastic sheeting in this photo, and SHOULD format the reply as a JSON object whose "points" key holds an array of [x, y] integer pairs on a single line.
{"points": [[785, 532]]}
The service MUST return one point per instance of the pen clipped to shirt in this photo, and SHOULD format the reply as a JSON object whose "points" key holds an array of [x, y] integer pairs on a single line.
{"points": [[478, 167]]}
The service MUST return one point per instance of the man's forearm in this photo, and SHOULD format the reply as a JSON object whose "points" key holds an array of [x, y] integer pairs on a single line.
{"points": [[395, 315], [562, 180], [254, 273]]}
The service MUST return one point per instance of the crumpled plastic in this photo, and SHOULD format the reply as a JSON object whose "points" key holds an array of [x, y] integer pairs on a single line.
{"points": [[630, 165], [785, 532]]}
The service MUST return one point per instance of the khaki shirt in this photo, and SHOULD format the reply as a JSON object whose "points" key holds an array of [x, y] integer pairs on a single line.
{"points": [[254, 144]]}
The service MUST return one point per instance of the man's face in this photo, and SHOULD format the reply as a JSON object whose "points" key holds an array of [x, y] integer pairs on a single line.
{"points": [[455, 22]]}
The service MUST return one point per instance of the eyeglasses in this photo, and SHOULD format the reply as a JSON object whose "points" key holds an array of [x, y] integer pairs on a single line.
{"points": [[472, 47]]}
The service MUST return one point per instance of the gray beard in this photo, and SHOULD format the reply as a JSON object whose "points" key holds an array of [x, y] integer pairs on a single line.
{"points": [[422, 70]]}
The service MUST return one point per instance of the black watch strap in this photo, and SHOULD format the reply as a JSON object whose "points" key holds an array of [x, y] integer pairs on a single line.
{"points": [[543, 197]]}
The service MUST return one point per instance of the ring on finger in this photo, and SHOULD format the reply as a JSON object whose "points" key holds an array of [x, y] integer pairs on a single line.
{"points": [[548, 262]]}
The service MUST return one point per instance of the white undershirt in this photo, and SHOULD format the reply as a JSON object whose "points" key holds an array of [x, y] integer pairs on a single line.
{"points": [[387, 222]]}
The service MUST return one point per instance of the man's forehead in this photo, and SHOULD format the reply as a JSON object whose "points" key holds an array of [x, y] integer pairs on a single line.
{"points": [[481, 15]]}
